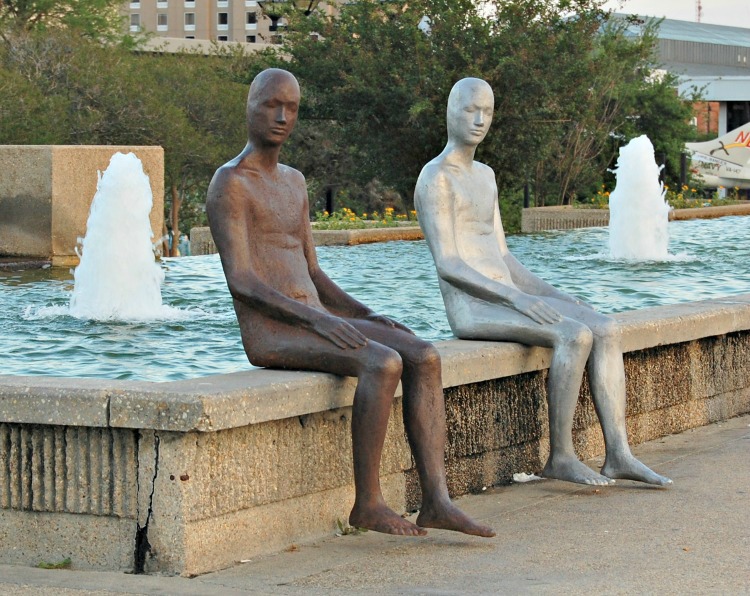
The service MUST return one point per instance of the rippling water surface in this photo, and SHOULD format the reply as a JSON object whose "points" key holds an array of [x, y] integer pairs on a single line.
{"points": [[710, 258]]}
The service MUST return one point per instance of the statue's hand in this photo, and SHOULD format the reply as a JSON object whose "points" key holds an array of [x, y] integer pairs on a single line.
{"points": [[339, 332], [376, 318], [535, 308]]}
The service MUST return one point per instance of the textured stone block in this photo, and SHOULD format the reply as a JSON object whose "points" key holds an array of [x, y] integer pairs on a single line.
{"points": [[90, 541], [212, 474], [493, 414], [68, 469]]}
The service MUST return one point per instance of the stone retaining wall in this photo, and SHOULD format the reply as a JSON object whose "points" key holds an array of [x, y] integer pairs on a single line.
{"points": [[566, 217], [192, 476]]}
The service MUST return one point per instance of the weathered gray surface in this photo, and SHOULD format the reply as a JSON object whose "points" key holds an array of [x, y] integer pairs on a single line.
{"points": [[555, 538], [566, 217], [227, 467], [539, 219], [201, 242], [46, 192]]}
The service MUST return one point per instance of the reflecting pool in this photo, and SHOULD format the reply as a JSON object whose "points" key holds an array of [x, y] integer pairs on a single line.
{"points": [[710, 258]]}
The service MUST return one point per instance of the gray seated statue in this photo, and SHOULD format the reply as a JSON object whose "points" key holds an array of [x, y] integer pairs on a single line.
{"points": [[490, 295], [292, 316]]}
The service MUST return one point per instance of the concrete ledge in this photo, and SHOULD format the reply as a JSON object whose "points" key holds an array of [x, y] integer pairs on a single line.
{"points": [[190, 476], [227, 401], [567, 217], [201, 242]]}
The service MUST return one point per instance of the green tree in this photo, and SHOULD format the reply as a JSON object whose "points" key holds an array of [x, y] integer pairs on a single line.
{"points": [[96, 19], [186, 103], [567, 78]]}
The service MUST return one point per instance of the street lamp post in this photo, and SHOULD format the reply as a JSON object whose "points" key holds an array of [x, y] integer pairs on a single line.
{"points": [[267, 6]]}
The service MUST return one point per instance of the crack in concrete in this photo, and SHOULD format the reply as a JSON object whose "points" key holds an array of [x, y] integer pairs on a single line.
{"points": [[142, 545]]}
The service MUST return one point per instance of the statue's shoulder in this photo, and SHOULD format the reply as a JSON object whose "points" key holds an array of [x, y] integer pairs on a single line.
{"points": [[436, 171], [226, 175], [291, 173]]}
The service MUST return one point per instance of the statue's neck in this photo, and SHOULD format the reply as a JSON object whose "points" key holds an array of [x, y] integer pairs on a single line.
{"points": [[459, 154], [263, 156]]}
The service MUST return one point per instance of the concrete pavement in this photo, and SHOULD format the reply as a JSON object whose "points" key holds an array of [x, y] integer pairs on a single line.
{"points": [[553, 537]]}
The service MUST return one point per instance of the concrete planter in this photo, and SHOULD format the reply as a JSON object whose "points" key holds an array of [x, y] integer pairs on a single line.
{"points": [[46, 192], [202, 243], [540, 219], [191, 476]]}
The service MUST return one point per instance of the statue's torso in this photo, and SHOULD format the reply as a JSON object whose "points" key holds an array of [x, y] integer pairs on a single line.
{"points": [[473, 223], [277, 222]]}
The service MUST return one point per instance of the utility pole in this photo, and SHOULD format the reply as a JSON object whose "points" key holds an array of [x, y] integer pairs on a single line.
{"points": [[698, 11]]}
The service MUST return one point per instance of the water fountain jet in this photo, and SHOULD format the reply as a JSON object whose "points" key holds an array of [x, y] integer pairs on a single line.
{"points": [[118, 278], [638, 213]]}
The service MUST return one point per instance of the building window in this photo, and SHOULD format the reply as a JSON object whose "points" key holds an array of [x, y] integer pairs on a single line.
{"points": [[190, 37], [251, 3], [189, 3], [222, 3], [250, 38], [222, 21], [189, 21], [251, 18], [162, 4], [136, 4], [135, 22], [161, 21], [222, 38]]}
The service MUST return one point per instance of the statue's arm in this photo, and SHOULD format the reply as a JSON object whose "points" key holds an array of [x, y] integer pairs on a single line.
{"points": [[230, 228], [435, 197], [533, 284], [331, 295], [524, 279]]}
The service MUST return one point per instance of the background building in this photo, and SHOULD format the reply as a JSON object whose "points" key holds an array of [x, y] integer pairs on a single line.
{"points": [[173, 21], [714, 59]]}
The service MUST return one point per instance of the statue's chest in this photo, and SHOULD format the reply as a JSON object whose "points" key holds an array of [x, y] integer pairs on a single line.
{"points": [[276, 210], [474, 200]]}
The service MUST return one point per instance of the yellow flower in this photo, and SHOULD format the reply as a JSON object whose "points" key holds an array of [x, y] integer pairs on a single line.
{"points": [[692, 190], [364, 215]]}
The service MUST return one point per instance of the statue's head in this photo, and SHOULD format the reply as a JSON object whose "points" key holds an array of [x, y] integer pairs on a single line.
{"points": [[470, 107], [272, 105]]}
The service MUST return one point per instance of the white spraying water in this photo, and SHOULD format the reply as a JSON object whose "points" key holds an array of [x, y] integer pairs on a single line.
{"points": [[638, 213], [118, 278]]}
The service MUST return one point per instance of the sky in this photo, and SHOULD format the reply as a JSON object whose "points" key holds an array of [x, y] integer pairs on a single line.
{"points": [[734, 13]]}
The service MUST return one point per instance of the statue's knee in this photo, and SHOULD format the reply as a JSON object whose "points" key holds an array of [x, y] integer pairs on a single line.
{"points": [[385, 362], [607, 329], [426, 355], [578, 336]]}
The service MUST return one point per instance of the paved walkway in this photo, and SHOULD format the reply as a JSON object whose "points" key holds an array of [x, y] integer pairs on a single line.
{"points": [[553, 537]]}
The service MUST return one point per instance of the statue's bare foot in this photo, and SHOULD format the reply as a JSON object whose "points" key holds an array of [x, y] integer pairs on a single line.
{"points": [[573, 470], [628, 467], [380, 518], [446, 516]]}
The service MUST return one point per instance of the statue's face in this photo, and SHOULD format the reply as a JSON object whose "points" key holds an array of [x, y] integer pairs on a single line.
{"points": [[272, 109], [470, 112]]}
